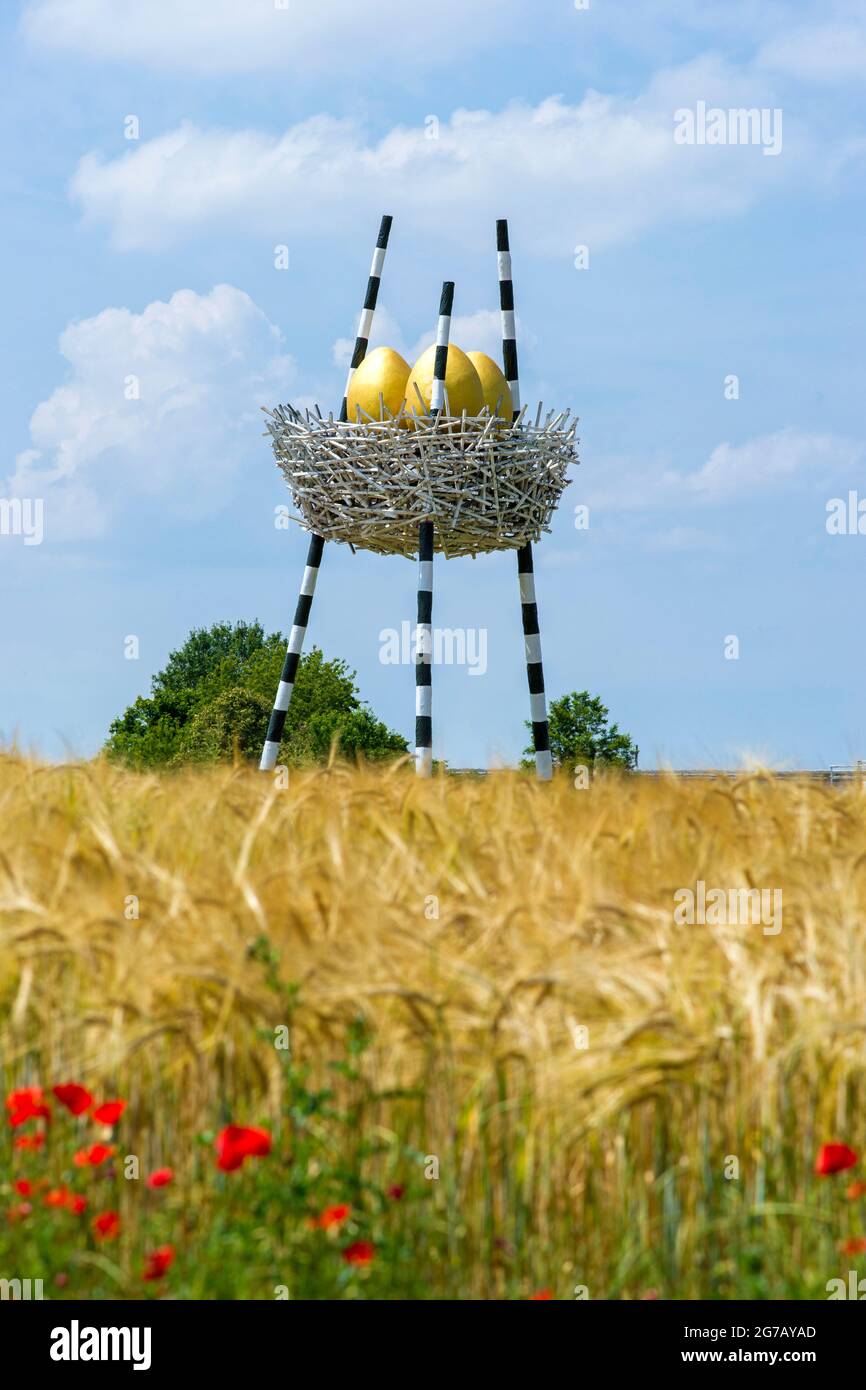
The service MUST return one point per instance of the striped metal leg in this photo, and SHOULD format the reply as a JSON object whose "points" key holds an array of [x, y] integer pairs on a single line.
{"points": [[443, 334], [424, 629], [506, 308], [293, 655], [424, 653], [365, 324], [526, 575], [534, 668], [314, 555]]}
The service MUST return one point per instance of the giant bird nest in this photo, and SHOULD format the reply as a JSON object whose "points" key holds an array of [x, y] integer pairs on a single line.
{"points": [[486, 485]]}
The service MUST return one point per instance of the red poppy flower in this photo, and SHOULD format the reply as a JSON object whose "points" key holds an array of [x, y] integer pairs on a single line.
{"points": [[161, 1178], [30, 1141], [96, 1154], [158, 1261], [109, 1112], [23, 1187], [19, 1211], [76, 1098], [27, 1095], [27, 1104], [106, 1225], [834, 1158], [62, 1197], [396, 1192], [541, 1297], [856, 1245], [236, 1142], [334, 1217], [361, 1252], [857, 1189]]}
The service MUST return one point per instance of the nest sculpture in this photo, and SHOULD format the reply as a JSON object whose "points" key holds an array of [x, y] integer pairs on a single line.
{"points": [[424, 480], [485, 485]]}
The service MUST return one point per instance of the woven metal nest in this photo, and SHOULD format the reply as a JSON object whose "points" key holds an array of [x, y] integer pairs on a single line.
{"points": [[485, 484]]}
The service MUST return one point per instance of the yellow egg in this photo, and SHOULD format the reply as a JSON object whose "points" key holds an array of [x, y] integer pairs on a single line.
{"points": [[493, 384], [383, 372], [462, 383]]}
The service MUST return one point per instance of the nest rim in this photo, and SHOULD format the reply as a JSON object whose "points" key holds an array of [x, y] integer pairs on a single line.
{"points": [[486, 483]]}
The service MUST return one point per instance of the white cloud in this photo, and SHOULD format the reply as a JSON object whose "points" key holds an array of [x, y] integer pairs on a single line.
{"points": [[771, 461], [603, 171], [823, 52], [201, 366], [787, 459], [386, 333], [738, 491], [478, 332], [304, 36], [296, 36]]}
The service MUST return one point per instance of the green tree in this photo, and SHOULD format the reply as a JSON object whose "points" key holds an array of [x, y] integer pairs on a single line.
{"points": [[224, 645], [212, 702], [148, 733], [359, 731], [233, 725], [580, 734], [320, 685]]}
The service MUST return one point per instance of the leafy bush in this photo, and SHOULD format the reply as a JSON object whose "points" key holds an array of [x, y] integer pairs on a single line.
{"points": [[231, 726], [212, 702], [580, 734]]}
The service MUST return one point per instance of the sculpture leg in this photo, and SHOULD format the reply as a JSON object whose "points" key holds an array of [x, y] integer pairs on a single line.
{"points": [[293, 656], [424, 629], [424, 653], [534, 668]]}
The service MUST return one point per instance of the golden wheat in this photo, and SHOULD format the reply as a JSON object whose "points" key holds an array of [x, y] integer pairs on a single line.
{"points": [[582, 1060]]}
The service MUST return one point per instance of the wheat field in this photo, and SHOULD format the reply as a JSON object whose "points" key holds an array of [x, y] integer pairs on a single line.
{"points": [[470, 995]]}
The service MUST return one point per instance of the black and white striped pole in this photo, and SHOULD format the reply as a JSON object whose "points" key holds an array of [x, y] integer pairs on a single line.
{"points": [[277, 721], [424, 628], [525, 572], [424, 653], [365, 324]]}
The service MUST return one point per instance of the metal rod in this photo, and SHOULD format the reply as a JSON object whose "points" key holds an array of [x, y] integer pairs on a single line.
{"points": [[277, 721], [424, 628], [525, 568]]}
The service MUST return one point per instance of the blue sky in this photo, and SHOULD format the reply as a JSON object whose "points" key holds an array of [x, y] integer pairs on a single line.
{"points": [[259, 126]]}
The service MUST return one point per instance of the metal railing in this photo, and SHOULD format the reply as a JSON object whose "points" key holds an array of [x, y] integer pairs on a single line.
{"points": [[835, 773]]}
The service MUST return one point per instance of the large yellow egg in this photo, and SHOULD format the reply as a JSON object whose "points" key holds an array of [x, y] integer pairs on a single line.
{"points": [[493, 384], [462, 383], [383, 372]]}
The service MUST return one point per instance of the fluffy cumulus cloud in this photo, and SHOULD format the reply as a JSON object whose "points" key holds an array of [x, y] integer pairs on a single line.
{"points": [[829, 51], [782, 462], [306, 37], [157, 406], [646, 504], [386, 333], [478, 332], [297, 36], [604, 169]]}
